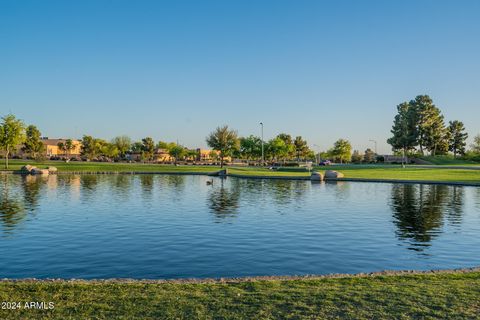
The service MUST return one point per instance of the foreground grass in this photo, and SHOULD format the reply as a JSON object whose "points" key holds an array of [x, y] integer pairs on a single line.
{"points": [[380, 172], [426, 296]]}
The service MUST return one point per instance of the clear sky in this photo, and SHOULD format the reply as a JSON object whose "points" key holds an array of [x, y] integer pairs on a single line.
{"points": [[177, 69]]}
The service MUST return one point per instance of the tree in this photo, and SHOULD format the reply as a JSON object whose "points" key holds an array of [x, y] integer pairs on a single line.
{"points": [[289, 146], [91, 147], [11, 135], [250, 147], [432, 133], [342, 150], [404, 129], [136, 147], [109, 150], [69, 146], [369, 156], [277, 148], [61, 147], [458, 138], [148, 148], [123, 144], [223, 140], [177, 152], [33, 145], [357, 157], [476, 144], [301, 147]]}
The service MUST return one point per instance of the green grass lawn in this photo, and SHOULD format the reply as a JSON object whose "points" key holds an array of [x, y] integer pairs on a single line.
{"points": [[427, 296], [448, 160], [350, 171]]}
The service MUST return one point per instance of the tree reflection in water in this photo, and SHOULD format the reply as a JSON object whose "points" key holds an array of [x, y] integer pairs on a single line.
{"points": [[222, 200], [418, 211], [32, 186], [12, 212]]}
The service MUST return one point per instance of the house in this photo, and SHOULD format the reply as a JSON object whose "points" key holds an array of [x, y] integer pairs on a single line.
{"points": [[52, 149]]}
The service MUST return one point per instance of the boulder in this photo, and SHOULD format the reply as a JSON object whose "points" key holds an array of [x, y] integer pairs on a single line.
{"points": [[316, 176], [330, 174], [52, 169], [39, 171], [27, 169], [222, 172]]}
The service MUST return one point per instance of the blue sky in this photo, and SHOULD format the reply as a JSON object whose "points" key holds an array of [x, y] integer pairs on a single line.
{"points": [[177, 69]]}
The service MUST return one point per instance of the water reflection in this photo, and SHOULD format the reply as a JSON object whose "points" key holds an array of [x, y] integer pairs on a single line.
{"points": [[12, 211], [223, 201], [32, 186], [418, 211]]}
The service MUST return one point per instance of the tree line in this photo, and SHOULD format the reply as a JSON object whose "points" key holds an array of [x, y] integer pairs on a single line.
{"points": [[419, 126]]}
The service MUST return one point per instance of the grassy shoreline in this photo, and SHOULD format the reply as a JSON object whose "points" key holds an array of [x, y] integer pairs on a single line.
{"points": [[433, 295], [366, 172]]}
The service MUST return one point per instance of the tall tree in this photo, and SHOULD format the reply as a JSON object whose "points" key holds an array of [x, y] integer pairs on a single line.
{"points": [[250, 147], [61, 147], [277, 149], [177, 152], [404, 129], [69, 146], [301, 147], [123, 144], [369, 156], [289, 146], [356, 156], [342, 150], [12, 133], [91, 147], [148, 148], [432, 133], [33, 144], [223, 140], [458, 137]]}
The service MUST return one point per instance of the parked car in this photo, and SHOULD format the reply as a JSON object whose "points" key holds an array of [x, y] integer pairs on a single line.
{"points": [[325, 163]]}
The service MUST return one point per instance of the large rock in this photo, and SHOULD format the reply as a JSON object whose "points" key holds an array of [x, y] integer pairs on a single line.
{"points": [[52, 169], [27, 169], [316, 176], [39, 171], [330, 174]]}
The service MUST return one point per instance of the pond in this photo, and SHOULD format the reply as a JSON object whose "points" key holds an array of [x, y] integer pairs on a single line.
{"points": [[174, 226]]}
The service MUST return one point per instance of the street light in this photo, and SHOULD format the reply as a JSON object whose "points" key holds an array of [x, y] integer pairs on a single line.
{"points": [[317, 155], [263, 157]]}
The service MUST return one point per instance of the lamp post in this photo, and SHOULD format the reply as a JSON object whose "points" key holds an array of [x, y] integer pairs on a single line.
{"points": [[317, 155], [263, 156]]}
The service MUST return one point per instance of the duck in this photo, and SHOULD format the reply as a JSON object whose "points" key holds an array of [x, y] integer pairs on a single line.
{"points": [[209, 183]]}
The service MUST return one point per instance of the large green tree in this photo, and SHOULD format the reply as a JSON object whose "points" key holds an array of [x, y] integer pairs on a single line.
{"points": [[177, 152], [223, 140], [458, 137], [301, 148], [404, 129], [432, 133], [123, 144], [148, 148], [342, 150], [33, 144], [250, 147], [369, 156], [91, 147], [289, 145], [12, 134], [277, 149]]}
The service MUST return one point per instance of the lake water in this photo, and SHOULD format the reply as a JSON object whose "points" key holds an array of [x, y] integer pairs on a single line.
{"points": [[172, 226]]}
